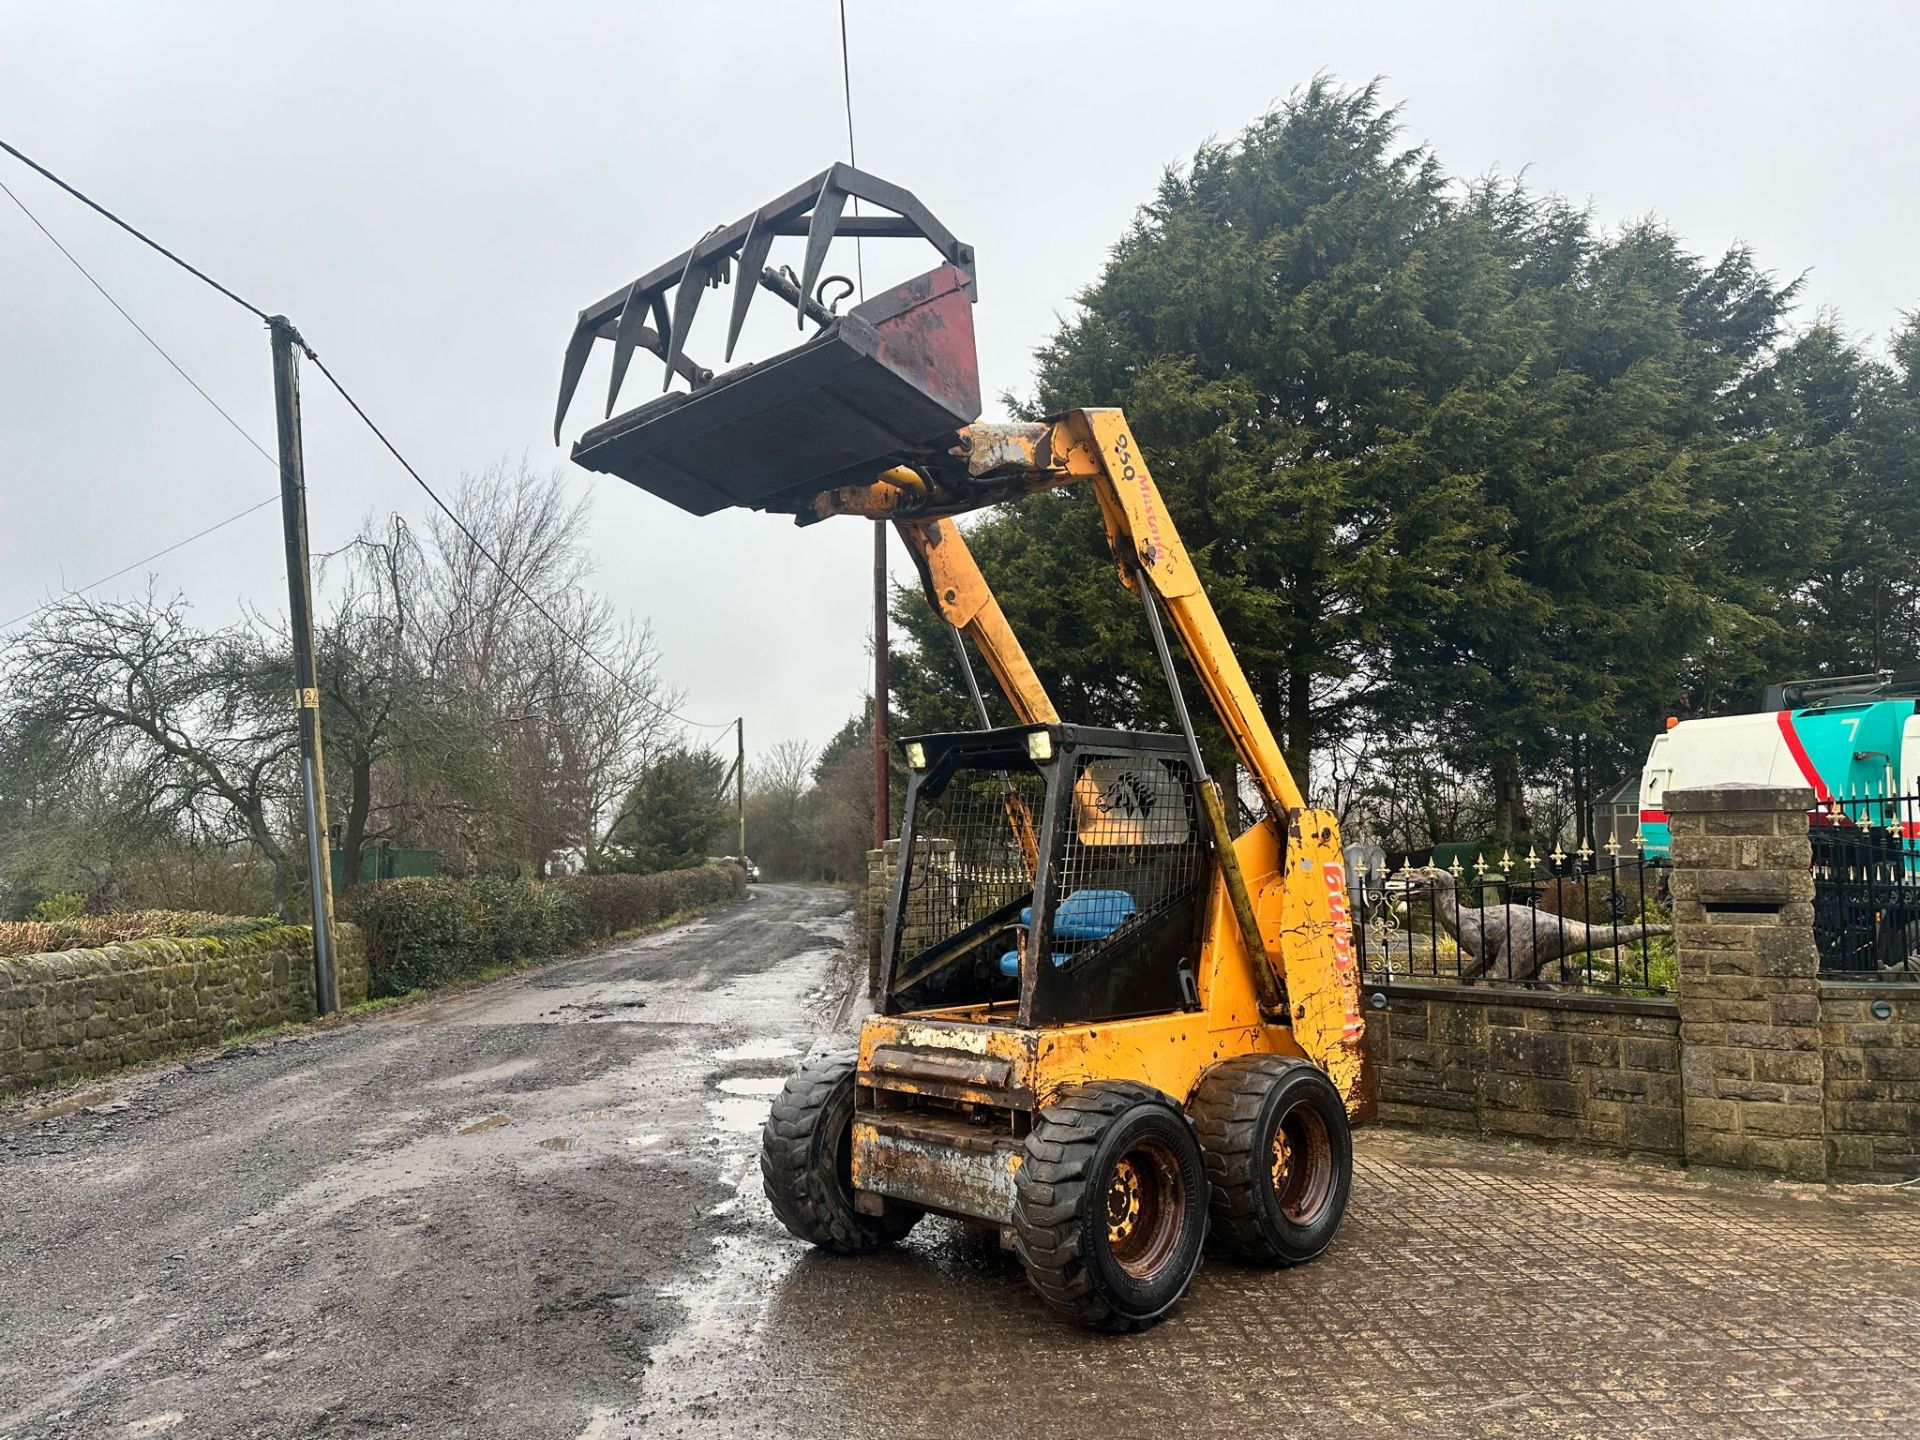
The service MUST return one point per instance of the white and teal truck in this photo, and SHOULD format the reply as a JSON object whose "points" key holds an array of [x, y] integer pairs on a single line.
{"points": [[1847, 738]]}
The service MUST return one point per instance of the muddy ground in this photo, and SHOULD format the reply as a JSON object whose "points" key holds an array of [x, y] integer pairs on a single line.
{"points": [[471, 1216], [533, 1210]]}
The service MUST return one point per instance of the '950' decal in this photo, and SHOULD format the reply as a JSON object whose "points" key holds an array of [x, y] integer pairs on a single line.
{"points": [[1335, 875]]}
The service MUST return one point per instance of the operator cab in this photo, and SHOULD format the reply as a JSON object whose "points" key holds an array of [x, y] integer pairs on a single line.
{"points": [[1048, 875]]}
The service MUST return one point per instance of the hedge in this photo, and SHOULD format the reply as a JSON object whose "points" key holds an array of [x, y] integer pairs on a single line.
{"points": [[423, 932], [612, 903]]}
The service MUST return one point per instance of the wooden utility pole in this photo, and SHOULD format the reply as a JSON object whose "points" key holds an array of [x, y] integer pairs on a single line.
{"points": [[882, 799], [740, 780], [313, 773]]}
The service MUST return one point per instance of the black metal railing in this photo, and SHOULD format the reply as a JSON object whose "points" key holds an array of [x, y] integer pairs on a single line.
{"points": [[1866, 886], [1586, 920]]}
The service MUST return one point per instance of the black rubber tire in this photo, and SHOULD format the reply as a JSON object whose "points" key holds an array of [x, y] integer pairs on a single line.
{"points": [[806, 1162], [1237, 1108], [1061, 1194]]}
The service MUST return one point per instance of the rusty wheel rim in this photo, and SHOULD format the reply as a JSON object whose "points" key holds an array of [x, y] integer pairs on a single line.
{"points": [[1146, 1205], [1302, 1164]]}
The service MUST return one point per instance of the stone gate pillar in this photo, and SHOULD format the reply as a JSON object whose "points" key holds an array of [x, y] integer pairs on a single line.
{"points": [[1748, 987]]}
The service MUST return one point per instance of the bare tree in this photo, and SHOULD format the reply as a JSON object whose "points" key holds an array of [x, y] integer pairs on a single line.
{"points": [[195, 725], [777, 791], [553, 700], [372, 683], [458, 712]]}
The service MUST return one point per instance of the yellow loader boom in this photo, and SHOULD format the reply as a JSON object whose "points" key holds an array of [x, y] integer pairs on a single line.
{"points": [[1103, 1017], [1316, 966]]}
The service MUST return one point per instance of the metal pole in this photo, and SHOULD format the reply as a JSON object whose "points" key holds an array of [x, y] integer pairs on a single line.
{"points": [[313, 772], [973, 683], [740, 781], [1267, 981], [882, 799]]}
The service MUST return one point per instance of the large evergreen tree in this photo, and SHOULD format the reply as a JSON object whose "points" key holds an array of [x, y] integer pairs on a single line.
{"points": [[1465, 476], [1295, 329], [672, 818]]}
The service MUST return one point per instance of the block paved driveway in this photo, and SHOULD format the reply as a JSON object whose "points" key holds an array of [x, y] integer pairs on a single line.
{"points": [[1477, 1289]]}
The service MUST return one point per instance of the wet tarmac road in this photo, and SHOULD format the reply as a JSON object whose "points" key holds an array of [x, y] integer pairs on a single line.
{"points": [[534, 1210], [473, 1216]]}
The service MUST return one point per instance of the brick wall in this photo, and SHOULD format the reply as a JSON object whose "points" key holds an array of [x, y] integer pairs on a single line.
{"points": [[82, 1011], [1870, 1053], [1594, 1069]]}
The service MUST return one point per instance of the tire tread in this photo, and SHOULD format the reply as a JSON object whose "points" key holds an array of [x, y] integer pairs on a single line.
{"points": [[1049, 1194], [800, 1172]]}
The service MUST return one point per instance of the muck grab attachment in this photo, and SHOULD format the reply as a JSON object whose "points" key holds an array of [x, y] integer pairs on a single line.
{"points": [[893, 375], [1108, 1028]]}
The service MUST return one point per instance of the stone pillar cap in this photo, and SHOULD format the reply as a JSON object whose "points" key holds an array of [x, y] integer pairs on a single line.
{"points": [[1738, 795]]}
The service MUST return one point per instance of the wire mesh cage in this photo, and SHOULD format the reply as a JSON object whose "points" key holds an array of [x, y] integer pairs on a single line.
{"points": [[972, 860], [1062, 869], [1132, 849]]}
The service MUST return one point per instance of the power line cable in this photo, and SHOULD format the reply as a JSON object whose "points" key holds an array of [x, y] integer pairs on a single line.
{"points": [[179, 370], [178, 544], [137, 234], [158, 347], [505, 574], [853, 158], [92, 204]]}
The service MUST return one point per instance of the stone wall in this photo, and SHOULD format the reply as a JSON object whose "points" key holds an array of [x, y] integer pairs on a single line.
{"points": [[82, 1011], [1756, 1062], [1870, 1054], [873, 913], [933, 913], [1598, 1070]]}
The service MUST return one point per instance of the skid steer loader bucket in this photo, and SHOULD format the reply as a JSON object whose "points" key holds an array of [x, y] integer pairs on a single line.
{"points": [[888, 381]]}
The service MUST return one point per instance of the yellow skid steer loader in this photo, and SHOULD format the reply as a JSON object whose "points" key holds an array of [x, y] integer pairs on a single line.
{"points": [[1108, 1026]]}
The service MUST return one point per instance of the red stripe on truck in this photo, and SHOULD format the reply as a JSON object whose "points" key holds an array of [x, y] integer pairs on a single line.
{"points": [[1798, 751], [1653, 817]]}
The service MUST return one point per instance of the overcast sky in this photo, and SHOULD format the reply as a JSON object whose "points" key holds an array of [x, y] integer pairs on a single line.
{"points": [[431, 191]]}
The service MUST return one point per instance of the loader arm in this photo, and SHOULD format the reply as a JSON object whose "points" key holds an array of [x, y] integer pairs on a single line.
{"points": [[960, 595], [1295, 903], [1005, 461]]}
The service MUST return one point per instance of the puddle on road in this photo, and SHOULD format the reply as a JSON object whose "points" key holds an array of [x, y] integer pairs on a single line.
{"points": [[492, 1122], [740, 1116], [754, 1085], [744, 1111], [58, 1108], [758, 1050], [555, 1142]]}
